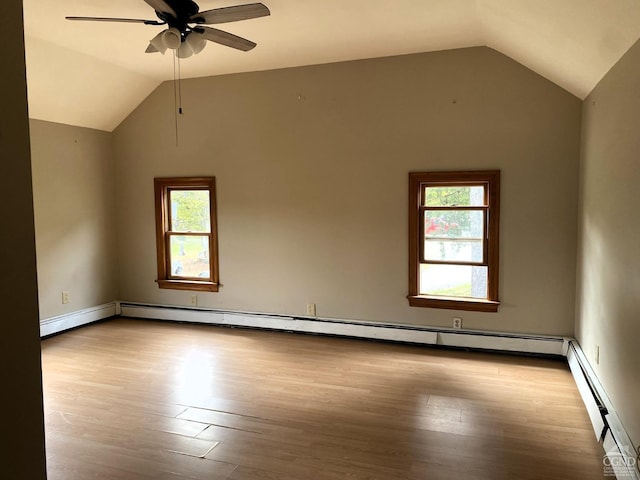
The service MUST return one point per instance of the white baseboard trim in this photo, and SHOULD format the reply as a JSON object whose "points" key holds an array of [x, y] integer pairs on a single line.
{"points": [[60, 323], [531, 344], [621, 457]]}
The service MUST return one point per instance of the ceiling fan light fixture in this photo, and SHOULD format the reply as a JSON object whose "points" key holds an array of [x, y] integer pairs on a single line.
{"points": [[196, 41], [171, 38], [184, 50], [157, 43]]}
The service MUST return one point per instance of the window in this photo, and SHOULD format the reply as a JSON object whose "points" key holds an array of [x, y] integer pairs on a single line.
{"points": [[186, 235], [453, 240]]}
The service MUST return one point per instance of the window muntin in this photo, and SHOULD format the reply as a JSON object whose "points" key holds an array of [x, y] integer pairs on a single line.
{"points": [[453, 240], [186, 233]]}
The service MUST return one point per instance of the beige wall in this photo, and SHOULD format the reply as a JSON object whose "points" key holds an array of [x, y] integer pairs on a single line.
{"points": [[608, 305], [74, 215], [22, 454], [311, 166]]}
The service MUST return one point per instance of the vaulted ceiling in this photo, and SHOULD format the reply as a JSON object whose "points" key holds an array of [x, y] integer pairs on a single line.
{"points": [[94, 74]]}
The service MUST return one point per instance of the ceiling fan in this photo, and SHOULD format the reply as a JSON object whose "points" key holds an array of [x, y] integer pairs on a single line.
{"points": [[187, 32]]}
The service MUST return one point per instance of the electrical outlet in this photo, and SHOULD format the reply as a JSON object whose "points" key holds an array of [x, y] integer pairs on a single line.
{"points": [[457, 322], [311, 309], [597, 354], [194, 300], [66, 298]]}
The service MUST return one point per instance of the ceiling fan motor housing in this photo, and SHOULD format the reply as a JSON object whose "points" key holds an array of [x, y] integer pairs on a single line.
{"points": [[183, 10]]}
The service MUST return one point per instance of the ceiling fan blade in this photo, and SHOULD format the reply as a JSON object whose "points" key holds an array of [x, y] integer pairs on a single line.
{"points": [[161, 6], [123, 20], [231, 14], [226, 38]]}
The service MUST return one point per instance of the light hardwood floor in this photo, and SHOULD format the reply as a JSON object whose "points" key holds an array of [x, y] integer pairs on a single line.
{"points": [[130, 399]]}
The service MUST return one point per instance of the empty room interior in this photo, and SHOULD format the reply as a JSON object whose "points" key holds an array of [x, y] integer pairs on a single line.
{"points": [[254, 253]]}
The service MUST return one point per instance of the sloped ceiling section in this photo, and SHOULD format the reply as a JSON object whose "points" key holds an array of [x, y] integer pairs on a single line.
{"points": [[93, 74], [66, 86], [573, 43]]}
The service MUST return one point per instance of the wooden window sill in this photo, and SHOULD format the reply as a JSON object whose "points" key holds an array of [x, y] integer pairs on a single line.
{"points": [[188, 285], [453, 303]]}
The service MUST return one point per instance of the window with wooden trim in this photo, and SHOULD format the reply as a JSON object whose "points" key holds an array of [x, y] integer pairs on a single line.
{"points": [[453, 240], [186, 233]]}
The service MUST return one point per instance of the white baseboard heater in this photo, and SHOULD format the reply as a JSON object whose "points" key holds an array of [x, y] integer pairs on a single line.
{"points": [[497, 341], [67, 321], [621, 459]]}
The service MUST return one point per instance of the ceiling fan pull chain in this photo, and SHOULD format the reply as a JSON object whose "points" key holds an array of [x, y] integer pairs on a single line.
{"points": [[175, 97], [179, 88]]}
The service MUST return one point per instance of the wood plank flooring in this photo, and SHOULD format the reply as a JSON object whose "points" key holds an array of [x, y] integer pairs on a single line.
{"points": [[130, 399]]}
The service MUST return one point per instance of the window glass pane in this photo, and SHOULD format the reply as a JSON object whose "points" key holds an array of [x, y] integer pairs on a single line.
{"points": [[453, 250], [454, 196], [460, 224], [190, 256], [453, 280], [190, 211]]}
